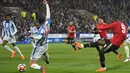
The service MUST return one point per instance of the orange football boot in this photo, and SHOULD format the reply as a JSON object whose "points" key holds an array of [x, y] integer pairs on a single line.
{"points": [[22, 57], [101, 69], [44, 69], [119, 56], [13, 54]]}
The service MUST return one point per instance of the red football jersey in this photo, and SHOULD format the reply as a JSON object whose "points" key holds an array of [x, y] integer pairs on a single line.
{"points": [[71, 34], [102, 33], [120, 31]]}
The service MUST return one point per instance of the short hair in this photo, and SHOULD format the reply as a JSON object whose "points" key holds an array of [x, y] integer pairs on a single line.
{"points": [[41, 20]]}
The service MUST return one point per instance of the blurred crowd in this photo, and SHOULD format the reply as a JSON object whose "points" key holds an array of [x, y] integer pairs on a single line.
{"points": [[64, 11]]}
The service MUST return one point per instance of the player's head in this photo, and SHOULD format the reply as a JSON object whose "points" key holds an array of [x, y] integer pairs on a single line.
{"points": [[100, 20], [8, 17], [32, 24], [41, 21], [70, 23]]}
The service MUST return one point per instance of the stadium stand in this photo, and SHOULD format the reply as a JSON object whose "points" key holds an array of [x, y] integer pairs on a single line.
{"points": [[64, 11]]}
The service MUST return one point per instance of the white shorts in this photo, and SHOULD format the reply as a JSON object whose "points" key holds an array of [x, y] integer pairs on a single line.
{"points": [[38, 52], [128, 40], [10, 39]]}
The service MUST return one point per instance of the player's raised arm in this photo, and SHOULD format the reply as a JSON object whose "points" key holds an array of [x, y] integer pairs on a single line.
{"points": [[47, 9], [106, 27], [14, 29]]}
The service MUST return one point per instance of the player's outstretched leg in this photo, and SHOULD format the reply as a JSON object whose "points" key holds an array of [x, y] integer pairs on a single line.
{"points": [[18, 50], [94, 44], [127, 52], [46, 57], [8, 48]]}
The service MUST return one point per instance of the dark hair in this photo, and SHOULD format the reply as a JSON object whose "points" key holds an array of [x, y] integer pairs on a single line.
{"points": [[41, 20]]}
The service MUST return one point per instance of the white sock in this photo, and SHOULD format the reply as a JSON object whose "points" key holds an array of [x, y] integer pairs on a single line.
{"points": [[35, 66], [18, 50], [127, 51], [46, 56], [7, 48]]}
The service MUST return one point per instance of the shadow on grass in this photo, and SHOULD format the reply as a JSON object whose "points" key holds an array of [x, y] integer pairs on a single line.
{"points": [[117, 67]]}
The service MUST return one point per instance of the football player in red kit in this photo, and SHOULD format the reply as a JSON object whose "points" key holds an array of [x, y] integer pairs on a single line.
{"points": [[119, 30], [71, 35], [102, 33]]}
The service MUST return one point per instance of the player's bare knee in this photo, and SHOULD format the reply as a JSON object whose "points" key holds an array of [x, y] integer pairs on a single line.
{"points": [[4, 43]]}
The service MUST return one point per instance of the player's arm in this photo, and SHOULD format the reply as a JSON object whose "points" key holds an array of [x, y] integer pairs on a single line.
{"points": [[106, 27], [14, 29], [47, 22], [47, 9]]}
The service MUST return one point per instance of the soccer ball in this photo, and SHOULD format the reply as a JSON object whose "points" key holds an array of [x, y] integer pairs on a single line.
{"points": [[22, 67]]}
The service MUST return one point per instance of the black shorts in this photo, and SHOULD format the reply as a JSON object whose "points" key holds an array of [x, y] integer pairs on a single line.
{"points": [[70, 40], [109, 47]]}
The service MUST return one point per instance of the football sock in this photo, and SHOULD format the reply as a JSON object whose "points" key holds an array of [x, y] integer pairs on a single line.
{"points": [[74, 47], [46, 57], [18, 50], [35, 66], [115, 52], [102, 59], [127, 51], [7, 48]]}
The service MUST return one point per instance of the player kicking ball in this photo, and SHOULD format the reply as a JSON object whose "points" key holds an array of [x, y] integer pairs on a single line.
{"points": [[41, 44], [8, 35], [109, 45]]}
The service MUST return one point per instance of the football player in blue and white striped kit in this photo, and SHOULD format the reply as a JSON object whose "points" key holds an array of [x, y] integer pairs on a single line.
{"points": [[8, 35], [41, 44]]}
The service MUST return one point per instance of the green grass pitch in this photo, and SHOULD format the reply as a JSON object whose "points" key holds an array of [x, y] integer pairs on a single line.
{"points": [[63, 59]]}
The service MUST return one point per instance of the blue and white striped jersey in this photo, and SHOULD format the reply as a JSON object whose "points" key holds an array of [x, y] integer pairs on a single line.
{"points": [[8, 29], [42, 34]]}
